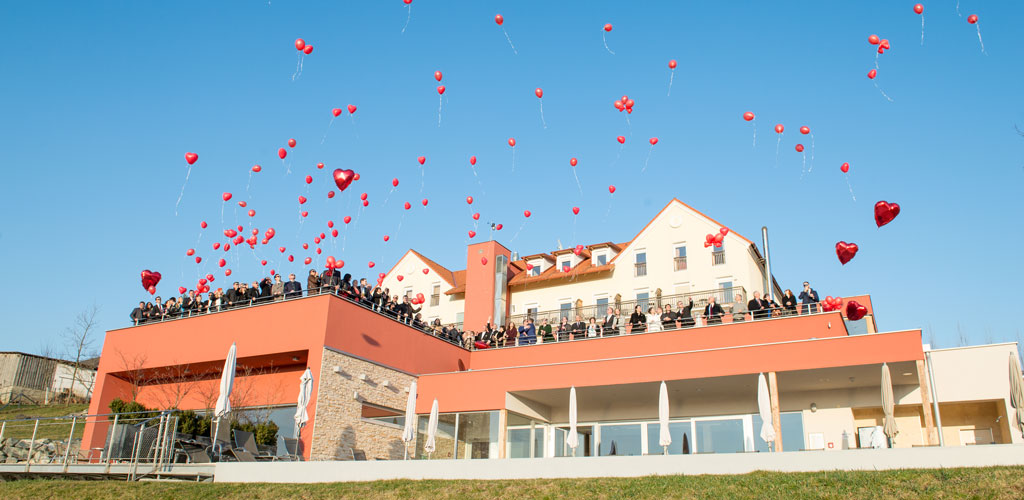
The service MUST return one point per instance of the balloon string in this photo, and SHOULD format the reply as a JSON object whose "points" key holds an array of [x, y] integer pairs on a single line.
{"points": [[288, 167], [423, 177], [439, 100], [471, 167], [777, 144], [979, 38], [513, 160], [605, 40], [754, 124], [850, 187], [407, 19], [514, 236], [803, 166], [883, 92], [577, 180], [621, 147], [298, 68], [514, 51], [876, 61], [187, 174], [324, 138], [400, 221], [958, 9], [812, 154], [607, 212], [542, 113], [922, 29], [671, 76], [222, 212], [388, 197], [248, 183], [649, 151]]}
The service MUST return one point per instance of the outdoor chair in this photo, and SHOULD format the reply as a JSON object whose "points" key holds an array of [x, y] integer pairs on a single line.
{"points": [[242, 455], [288, 449], [246, 441], [197, 455], [358, 455]]}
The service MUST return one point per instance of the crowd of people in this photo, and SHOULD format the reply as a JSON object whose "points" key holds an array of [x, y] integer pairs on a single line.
{"points": [[400, 308]]}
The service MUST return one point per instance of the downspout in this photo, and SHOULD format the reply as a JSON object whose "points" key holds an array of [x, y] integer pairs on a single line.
{"points": [[935, 398], [770, 290]]}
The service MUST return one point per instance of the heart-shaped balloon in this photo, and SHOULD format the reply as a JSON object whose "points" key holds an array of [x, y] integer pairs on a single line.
{"points": [[476, 216], [885, 212], [575, 210], [351, 108], [386, 237], [472, 234], [336, 111], [578, 250], [191, 158], [182, 290], [529, 267], [855, 311], [399, 277], [846, 251], [426, 271], [150, 279], [342, 178]]}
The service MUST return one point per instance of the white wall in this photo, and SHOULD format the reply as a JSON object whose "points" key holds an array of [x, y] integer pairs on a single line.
{"points": [[411, 267], [64, 378]]}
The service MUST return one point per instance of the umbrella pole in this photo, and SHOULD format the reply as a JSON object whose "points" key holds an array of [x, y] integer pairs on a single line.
{"points": [[664, 450], [216, 430]]}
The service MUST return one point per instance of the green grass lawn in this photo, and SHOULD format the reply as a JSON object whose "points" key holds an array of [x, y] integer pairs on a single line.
{"points": [[990, 482], [47, 429]]}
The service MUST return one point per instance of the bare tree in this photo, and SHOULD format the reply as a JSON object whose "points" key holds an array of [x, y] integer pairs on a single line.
{"points": [[79, 341], [175, 384], [932, 341], [961, 336], [133, 372]]}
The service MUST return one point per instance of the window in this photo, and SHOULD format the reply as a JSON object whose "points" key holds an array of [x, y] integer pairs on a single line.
{"points": [[500, 288], [459, 317], [382, 415], [792, 432], [641, 264], [435, 295], [642, 300], [602, 306], [680, 258], [531, 311], [719, 436], [601, 259], [682, 440], [408, 292], [718, 255], [565, 311], [620, 440], [726, 293], [535, 271], [565, 264]]}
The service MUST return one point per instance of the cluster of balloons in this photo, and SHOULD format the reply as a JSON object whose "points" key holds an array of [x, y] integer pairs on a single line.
{"points": [[831, 303], [302, 46], [716, 239], [150, 280], [624, 104]]}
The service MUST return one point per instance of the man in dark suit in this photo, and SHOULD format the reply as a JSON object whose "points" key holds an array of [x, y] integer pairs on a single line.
{"points": [[685, 314], [713, 312], [758, 307], [406, 311], [578, 328], [231, 296], [137, 316], [292, 288], [611, 324], [809, 298]]}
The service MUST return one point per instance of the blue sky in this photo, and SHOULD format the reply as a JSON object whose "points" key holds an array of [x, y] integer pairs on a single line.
{"points": [[101, 100]]}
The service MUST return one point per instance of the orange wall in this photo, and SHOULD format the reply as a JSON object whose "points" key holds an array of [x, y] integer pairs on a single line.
{"points": [[479, 304], [485, 389]]}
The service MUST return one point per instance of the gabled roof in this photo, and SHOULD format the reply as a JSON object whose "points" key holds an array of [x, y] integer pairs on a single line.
{"points": [[445, 274], [538, 256], [460, 283], [608, 244], [554, 273]]}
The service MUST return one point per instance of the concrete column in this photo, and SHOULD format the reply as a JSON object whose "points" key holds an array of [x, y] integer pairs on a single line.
{"points": [[502, 432], [926, 403], [773, 391]]}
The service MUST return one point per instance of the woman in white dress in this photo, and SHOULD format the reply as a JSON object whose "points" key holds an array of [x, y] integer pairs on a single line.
{"points": [[592, 328], [653, 319]]}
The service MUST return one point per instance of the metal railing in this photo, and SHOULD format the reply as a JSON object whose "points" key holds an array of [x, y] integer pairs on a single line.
{"points": [[700, 300], [717, 258], [679, 263], [640, 269]]}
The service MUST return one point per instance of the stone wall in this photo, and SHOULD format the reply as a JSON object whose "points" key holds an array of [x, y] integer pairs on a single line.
{"points": [[338, 426], [45, 451]]}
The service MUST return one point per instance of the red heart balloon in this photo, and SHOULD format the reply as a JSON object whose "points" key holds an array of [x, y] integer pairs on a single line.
{"points": [[351, 108], [885, 212], [342, 178], [476, 216], [191, 158], [846, 251], [855, 311], [150, 279], [472, 234], [399, 277], [182, 290], [575, 210], [425, 270]]}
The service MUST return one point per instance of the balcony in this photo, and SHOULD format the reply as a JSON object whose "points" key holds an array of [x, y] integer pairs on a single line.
{"points": [[717, 258], [679, 263], [640, 269]]}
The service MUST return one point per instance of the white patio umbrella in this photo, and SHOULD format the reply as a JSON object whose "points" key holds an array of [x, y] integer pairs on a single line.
{"points": [[1016, 394], [305, 391], [764, 408], [664, 438], [431, 430], [227, 383], [572, 440], [888, 405], [409, 432]]}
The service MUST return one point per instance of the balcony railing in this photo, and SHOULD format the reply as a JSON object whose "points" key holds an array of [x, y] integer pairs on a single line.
{"points": [[717, 258], [723, 296], [680, 263], [640, 269]]}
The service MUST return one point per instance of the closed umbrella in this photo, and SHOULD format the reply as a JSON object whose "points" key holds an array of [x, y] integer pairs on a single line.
{"points": [[664, 438], [888, 405], [572, 440], [431, 430], [1017, 392], [409, 432], [305, 391], [227, 383], [764, 408]]}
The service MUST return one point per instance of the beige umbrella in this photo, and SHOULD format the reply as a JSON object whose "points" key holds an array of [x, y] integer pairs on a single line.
{"points": [[1017, 392], [888, 404]]}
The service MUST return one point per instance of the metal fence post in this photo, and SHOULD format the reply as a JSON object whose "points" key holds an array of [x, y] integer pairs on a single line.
{"points": [[31, 446], [67, 451], [106, 446], [3, 426]]}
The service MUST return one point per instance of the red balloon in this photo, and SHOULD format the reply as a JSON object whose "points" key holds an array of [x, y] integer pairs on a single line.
{"points": [[225, 197], [386, 237], [371, 264], [539, 92], [885, 212], [300, 44], [619, 106], [779, 128], [972, 19], [420, 295], [855, 311], [342, 178], [252, 213], [191, 158], [366, 203], [723, 231], [408, 205], [629, 104], [330, 194], [362, 197], [256, 168], [440, 89], [221, 263], [399, 277], [216, 244], [512, 142], [336, 111], [483, 260], [281, 153], [199, 259], [347, 219], [526, 213], [476, 216], [421, 159], [653, 141], [804, 130], [319, 165], [498, 19], [182, 290], [305, 213], [291, 258], [672, 64], [263, 262], [873, 39], [150, 279], [498, 227], [308, 49], [227, 272], [872, 74], [281, 249], [302, 199], [469, 200], [291, 143], [351, 109], [242, 204], [799, 148], [608, 27], [611, 189], [572, 162], [472, 160], [424, 202], [330, 223], [437, 75], [845, 251], [845, 167], [202, 224], [472, 234], [575, 210], [748, 116], [918, 9], [334, 233], [190, 252], [309, 179], [621, 139]]}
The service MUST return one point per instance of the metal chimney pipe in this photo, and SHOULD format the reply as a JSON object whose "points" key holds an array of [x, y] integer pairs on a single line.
{"points": [[769, 289]]}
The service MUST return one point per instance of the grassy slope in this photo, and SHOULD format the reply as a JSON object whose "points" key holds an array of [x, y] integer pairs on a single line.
{"points": [[992, 482], [47, 429]]}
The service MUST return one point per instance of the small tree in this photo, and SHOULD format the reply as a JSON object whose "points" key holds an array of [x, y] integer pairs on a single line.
{"points": [[79, 340], [134, 373]]}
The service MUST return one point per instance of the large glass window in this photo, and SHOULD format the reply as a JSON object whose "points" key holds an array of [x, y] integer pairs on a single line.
{"points": [[602, 306], [719, 436], [601, 259], [477, 435], [444, 441], [682, 440], [519, 443], [680, 258], [620, 440], [642, 301], [584, 433], [792, 432], [500, 288]]}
